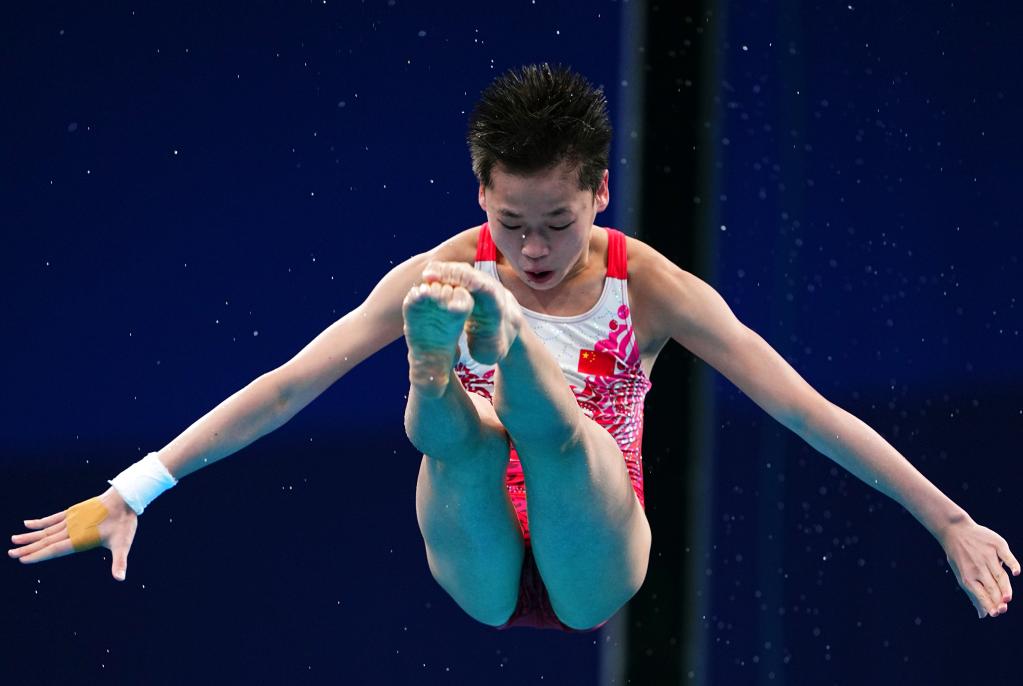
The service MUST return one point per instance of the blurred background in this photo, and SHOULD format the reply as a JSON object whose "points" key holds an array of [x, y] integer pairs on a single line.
{"points": [[190, 193]]}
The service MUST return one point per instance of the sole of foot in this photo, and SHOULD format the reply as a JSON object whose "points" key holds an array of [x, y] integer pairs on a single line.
{"points": [[494, 321], [435, 315]]}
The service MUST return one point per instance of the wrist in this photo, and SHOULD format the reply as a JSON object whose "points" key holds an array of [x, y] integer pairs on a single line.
{"points": [[142, 482], [950, 522], [113, 501]]}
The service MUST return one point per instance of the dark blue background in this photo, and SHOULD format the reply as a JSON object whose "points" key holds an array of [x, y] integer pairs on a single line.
{"points": [[189, 194], [868, 174]]}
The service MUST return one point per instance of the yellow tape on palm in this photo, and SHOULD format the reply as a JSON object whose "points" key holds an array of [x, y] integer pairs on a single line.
{"points": [[83, 522]]}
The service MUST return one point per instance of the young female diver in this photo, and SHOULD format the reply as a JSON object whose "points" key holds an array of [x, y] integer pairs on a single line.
{"points": [[531, 339]]}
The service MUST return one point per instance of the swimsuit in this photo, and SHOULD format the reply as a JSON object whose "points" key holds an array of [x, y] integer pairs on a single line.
{"points": [[599, 356]]}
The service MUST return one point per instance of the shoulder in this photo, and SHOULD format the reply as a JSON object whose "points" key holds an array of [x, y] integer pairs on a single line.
{"points": [[640, 256], [459, 248], [659, 289], [648, 268]]}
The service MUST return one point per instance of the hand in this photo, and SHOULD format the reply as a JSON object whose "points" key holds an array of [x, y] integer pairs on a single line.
{"points": [[111, 526], [976, 555]]}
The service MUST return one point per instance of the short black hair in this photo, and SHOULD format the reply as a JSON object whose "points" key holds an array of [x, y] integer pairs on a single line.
{"points": [[533, 118]]}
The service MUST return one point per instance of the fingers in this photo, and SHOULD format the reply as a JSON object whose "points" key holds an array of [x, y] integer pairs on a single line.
{"points": [[975, 591], [50, 551], [40, 543], [1002, 579], [987, 592], [46, 521], [994, 579], [120, 548], [119, 567], [34, 545], [33, 536], [1007, 557]]}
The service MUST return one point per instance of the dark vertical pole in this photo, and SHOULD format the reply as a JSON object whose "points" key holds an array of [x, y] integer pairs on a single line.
{"points": [[625, 181], [671, 54]]}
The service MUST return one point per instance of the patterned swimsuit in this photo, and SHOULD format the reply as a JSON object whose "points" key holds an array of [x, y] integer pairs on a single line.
{"points": [[599, 356]]}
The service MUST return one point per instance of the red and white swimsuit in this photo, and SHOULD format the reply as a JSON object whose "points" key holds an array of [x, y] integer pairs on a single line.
{"points": [[599, 356]]}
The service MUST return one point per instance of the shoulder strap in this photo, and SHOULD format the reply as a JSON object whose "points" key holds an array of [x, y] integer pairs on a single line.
{"points": [[486, 251], [617, 255]]}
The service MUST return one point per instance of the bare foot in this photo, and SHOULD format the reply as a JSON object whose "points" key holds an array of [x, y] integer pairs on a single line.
{"points": [[435, 315], [496, 316]]}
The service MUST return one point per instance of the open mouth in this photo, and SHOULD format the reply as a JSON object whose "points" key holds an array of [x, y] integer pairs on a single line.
{"points": [[539, 277]]}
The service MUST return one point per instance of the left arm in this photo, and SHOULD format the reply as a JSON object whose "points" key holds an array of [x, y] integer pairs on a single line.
{"points": [[697, 317]]}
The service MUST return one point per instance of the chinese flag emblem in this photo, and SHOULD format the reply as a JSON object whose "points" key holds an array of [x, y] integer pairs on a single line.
{"points": [[597, 363]]}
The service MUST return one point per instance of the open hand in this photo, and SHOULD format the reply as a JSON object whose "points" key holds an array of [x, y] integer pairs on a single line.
{"points": [[105, 520], [976, 555]]}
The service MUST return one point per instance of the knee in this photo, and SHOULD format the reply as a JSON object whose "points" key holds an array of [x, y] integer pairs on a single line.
{"points": [[584, 617], [442, 438], [561, 436], [528, 422], [431, 438], [587, 613], [411, 431], [491, 615], [589, 618], [491, 602]]}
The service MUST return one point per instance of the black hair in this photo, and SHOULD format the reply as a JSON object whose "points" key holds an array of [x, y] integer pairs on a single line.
{"points": [[535, 117]]}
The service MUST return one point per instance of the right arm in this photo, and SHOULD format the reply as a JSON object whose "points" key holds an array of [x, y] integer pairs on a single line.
{"points": [[272, 399], [263, 405]]}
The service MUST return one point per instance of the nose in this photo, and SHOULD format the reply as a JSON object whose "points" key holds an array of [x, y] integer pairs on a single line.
{"points": [[533, 246]]}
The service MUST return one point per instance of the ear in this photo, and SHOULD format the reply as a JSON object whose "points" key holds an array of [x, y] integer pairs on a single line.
{"points": [[482, 199], [602, 198]]}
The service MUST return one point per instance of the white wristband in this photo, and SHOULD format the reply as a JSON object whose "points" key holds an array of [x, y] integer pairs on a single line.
{"points": [[140, 483]]}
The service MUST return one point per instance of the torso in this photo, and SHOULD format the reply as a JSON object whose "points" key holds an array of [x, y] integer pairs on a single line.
{"points": [[579, 294]]}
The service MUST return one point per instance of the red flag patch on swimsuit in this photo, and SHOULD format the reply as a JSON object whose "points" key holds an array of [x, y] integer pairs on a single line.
{"points": [[596, 362]]}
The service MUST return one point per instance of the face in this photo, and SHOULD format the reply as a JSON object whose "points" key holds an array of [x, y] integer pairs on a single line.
{"points": [[541, 223]]}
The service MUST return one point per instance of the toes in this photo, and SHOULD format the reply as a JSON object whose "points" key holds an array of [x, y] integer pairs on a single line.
{"points": [[436, 294], [411, 298], [441, 291], [434, 271], [423, 291], [461, 300], [454, 273], [451, 298]]}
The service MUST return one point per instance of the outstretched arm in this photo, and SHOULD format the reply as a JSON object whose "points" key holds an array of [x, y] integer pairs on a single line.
{"points": [[265, 404], [291, 387], [696, 316]]}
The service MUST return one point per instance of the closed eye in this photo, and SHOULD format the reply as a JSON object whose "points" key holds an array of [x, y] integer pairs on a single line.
{"points": [[553, 228]]}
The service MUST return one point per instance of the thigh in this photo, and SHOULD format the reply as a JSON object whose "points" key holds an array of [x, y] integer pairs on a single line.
{"points": [[474, 545], [590, 536]]}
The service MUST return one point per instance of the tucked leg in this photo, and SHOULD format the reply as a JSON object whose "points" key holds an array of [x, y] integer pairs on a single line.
{"points": [[590, 537], [474, 545]]}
